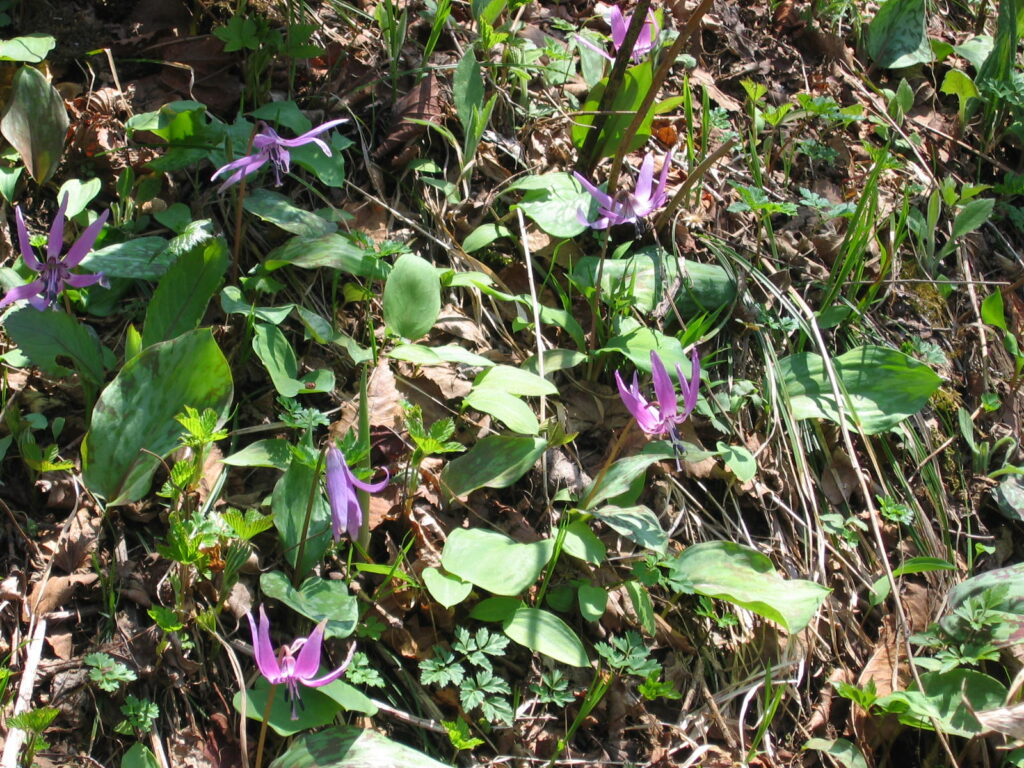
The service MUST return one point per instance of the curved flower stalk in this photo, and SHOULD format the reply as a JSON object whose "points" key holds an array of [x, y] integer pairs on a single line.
{"points": [[626, 207], [619, 24], [269, 147], [55, 271], [346, 514], [292, 664], [661, 416]]}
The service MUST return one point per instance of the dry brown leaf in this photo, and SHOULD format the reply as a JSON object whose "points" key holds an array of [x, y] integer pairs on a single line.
{"points": [[1007, 720], [453, 320], [51, 594], [384, 397], [839, 478], [448, 380], [77, 541], [61, 644]]}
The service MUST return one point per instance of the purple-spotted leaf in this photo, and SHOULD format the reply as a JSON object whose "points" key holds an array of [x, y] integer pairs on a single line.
{"points": [[35, 122]]}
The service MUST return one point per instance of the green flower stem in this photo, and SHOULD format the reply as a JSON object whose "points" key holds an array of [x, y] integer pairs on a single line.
{"points": [[598, 688], [236, 246], [364, 440], [612, 455], [263, 726], [314, 488], [668, 60], [588, 154]]}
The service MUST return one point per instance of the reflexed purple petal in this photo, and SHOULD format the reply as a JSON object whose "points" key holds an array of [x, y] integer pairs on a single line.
{"points": [[55, 242], [634, 402], [372, 487], [27, 254], [308, 660], [619, 25], [256, 163], [245, 165], [664, 389], [645, 178], [660, 192], [603, 198], [39, 302], [593, 47], [85, 241], [330, 677], [84, 281], [691, 387], [23, 292], [262, 648]]}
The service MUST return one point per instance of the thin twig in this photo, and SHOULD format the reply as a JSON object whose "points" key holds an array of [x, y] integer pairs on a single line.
{"points": [[16, 736]]}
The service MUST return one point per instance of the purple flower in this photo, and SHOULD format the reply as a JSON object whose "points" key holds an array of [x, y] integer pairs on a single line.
{"points": [[619, 24], [661, 417], [269, 147], [54, 272], [628, 206], [295, 663], [346, 514]]}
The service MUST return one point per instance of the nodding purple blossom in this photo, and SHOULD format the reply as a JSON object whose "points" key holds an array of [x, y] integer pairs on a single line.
{"points": [[620, 24], [627, 207], [54, 272], [295, 663], [346, 514], [269, 147], [661, 416]]}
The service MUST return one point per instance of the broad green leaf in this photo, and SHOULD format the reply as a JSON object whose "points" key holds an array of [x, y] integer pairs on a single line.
{"points": [[139, 756], [467, 89], [552, 202], [635, 85], [232, 303], [318, 709], [279, 210], [329, 171], [345, 746], [493, 561], [47, 337], [421, 354], [289, 502], [555, 360], [1003, 588], [496, 608], [941, 697], [412, 297], [333, 251], [316, 599], [636, 341], [515, 381], [881, 588], [745, 577], [897, 36], [446, 588], [842, 751], [547, 634], [32, 48], [180, 300], [619, 476], [278, 357], [992, 311], [133, 422], [739, 460], [580, 542], [642, 606], [509, 409], [884, 386], [320, 330], [972, 216], [274, 452], [35, 122], [496, 461], [144, 258], [959, 84], [638, 524], [80, 194], [483, 236], [593, 601]]}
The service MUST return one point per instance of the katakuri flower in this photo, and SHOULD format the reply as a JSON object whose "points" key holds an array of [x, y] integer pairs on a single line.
{"points": [[620, 24], [660, 417], [54, 272], [346, 514], [628, 206], [269, 147], [295, 663]]}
